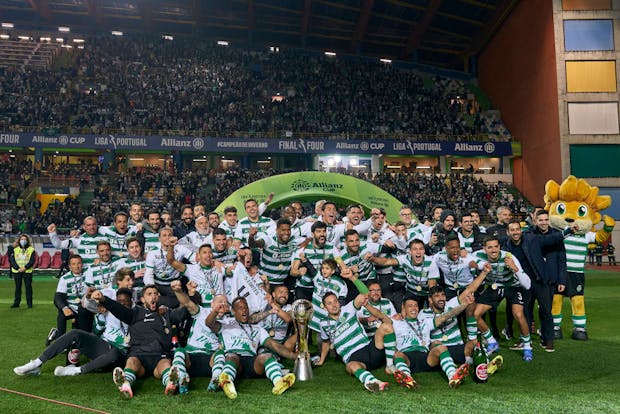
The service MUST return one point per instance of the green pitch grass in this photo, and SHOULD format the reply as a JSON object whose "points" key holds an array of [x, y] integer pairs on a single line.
{"points": [[578, 377]]}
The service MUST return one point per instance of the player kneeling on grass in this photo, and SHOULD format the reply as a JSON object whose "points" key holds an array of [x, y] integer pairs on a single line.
{"points": [[241, 341], [416, 352], [343, 332], [150, 343], [105, 351], [201, 357]]}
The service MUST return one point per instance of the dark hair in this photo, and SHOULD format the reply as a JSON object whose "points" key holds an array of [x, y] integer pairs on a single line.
{"points": [[205, 245], [185, 207], [352, 206], [351, 232], [415, 241], [326, 203], [331, 263], [434, 289], [328, 294], [489, 238], [514, 221], [541, 212], [150, 287], [238, 299], [247, 201], [283, 222], [121, 213], [219, 232], [318, 225], [230, 209], [132, 239], [124, 291], [74, 256], [450, 237]]}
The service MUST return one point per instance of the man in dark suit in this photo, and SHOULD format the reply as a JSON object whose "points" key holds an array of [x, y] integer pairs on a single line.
{"points": [[538, 252]]}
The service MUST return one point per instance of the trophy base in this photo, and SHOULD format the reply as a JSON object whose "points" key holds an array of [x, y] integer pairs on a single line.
{"points": [[303, 369]]}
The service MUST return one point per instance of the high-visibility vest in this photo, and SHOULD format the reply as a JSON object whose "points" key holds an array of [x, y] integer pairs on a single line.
{"points": [[22, 257]]}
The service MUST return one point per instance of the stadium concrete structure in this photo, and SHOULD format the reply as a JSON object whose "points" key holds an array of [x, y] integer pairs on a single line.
{"points": [[549, 67]]}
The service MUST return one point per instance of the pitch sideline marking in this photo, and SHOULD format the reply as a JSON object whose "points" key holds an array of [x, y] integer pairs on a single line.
{"points": [[79, 407]]}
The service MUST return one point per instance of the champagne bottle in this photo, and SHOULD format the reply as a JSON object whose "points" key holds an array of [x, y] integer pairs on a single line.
{"points": [[480, 362]]}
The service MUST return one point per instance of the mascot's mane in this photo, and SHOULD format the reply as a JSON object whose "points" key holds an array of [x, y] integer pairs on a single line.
{"points": [[574, 189]]}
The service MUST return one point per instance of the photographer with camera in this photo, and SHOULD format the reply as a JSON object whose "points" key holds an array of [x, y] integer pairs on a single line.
{"points": [[435, 238]]}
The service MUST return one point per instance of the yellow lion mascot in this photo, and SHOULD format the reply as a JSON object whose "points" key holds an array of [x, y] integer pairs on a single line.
{"points": [[576, 204]]}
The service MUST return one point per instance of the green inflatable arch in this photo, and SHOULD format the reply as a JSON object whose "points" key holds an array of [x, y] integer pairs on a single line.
{"points": [[311, 186]]}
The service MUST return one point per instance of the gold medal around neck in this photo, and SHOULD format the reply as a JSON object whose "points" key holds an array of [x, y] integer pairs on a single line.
{"points": [[444, 338], [418, 288], [166, 331], [127, 339], [455, 285], [494, 286], [272, 333], [280, 266]]}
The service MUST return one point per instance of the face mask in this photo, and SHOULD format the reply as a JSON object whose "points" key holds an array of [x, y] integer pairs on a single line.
{"points": [[23, 243]]}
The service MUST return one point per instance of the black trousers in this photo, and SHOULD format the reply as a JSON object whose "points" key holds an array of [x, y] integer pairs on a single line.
{"points": [[543, 293], [100, 353], [83, 320], [27, 279]]}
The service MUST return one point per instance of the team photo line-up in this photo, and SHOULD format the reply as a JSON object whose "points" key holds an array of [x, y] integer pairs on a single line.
{"points": [[211, 296]]}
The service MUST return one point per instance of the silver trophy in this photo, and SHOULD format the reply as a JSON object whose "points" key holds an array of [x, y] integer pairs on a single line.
{"points": [[302, 314]]}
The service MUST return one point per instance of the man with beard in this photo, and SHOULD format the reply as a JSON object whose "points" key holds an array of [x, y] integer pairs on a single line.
{"points": [[316, 251], [506, 279], [202, 235], [148, 233], [448, 333], [278, 250], [150, 343], [214, 220], [458, 272], [420, 271], [277, 319], [353, 257], [101, 274], [241, 340], [297, 225], [186, 225], [435, 237], [417, 352]]}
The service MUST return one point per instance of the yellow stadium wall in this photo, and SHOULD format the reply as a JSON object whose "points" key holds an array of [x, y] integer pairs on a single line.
{"points": [[591, 76]]}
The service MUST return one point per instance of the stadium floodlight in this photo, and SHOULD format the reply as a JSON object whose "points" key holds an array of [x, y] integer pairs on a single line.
{"points": [[45, 39], [457, 168], [78, 40], [6, 25], [386, 60], [80, 47], [331, 54], [353, 162], [4, 36], [136, 159], [64, 29], [23, 37], [199, 160], [274, 49], [423, 167], [67, 46], [393, 166], [60, 40], [117, 33], [167, 37], [222, 43]]}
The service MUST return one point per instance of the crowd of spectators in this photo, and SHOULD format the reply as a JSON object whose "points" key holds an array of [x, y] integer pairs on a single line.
{"points": [[145, 85], [156, 188]]}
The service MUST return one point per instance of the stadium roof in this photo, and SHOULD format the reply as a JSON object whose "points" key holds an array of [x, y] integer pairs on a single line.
{"points": [[435, 32]]}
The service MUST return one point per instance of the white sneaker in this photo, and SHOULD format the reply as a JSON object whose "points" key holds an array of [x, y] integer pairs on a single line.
{"points": [[31, 368], [68, 371]]}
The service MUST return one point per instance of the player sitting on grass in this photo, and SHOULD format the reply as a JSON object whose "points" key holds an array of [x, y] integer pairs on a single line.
{"points": [[241, 340]]}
